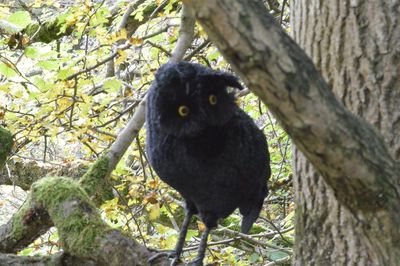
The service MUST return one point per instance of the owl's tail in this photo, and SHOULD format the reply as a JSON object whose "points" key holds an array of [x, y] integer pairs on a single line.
{"points": [[250, 217]]}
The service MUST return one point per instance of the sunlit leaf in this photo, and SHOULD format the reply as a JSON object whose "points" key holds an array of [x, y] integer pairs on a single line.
{"points": [[7, 71], [112, 84], [21, 19], [154, 211], [26, 251], [49, 64]]}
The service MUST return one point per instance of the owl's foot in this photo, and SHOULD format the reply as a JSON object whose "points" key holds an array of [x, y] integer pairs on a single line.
{"points": [[171, 254]]}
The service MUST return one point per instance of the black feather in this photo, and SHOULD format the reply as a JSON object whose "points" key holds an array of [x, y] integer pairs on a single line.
{"points": [[215, 157]]}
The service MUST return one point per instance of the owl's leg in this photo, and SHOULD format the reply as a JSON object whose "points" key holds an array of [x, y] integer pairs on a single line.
{"points": [[179, 245], [182, 236], [201, 252]]}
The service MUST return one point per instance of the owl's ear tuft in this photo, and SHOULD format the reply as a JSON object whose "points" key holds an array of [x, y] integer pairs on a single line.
{"points": [[225, 79], [168, 75], [231, 80]]}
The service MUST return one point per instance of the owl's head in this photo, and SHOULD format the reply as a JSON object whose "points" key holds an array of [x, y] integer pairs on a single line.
{"points": [[185, 98]]}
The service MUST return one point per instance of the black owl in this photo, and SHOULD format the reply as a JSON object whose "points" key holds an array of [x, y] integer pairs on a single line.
{"points": [[204, 146]]}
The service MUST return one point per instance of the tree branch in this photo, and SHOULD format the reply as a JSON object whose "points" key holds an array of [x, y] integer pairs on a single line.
{"points": [[351, 156], [94, 182], [82, 232], [26, 173], [58, 259], [131, 130], [186, 34], [6, 143]]}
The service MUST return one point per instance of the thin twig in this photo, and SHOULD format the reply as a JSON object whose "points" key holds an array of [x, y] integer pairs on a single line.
{"points": [[282, 11], [110, 57], [196, 50]]}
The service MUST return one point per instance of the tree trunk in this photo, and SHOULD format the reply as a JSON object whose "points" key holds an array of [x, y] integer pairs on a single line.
{"points": [[355, 44]]}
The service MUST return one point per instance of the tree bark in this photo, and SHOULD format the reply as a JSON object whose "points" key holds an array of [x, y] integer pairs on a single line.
{"points": [[355, 44], [359, 175]]}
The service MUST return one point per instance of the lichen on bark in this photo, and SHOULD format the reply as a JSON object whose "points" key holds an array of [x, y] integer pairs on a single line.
{"points": [[6, 142]]}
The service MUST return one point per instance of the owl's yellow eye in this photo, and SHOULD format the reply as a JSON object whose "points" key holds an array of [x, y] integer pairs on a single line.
{"points": [[212, 99], [183, 110]]}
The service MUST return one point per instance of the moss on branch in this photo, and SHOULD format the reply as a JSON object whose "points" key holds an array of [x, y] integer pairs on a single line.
{"points": [[6, 143], [72, 212], [95, 181]]}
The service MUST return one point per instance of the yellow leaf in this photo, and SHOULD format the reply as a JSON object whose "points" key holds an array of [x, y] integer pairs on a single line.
{"points": [[154, 212], [24, 41], [151, 198], [88, 5], [201, 226], [1, 203], [116, 36], [153, 184], [121, 58], [64, 103], [133, 192], [70, 83], [135, 40], [202, 32], [71, 20]]}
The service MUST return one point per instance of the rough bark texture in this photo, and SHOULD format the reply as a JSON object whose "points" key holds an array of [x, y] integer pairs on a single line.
{"points": [[355, 44], [356, 167], [58, 259]]}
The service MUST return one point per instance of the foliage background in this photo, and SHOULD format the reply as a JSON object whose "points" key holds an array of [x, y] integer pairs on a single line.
{"points": [[70, 78]]}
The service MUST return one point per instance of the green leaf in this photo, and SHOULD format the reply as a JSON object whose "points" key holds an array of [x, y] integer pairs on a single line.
{"points": [[190, 234], [54, 237], [41, 84], [32, 52], [112, 84], [254, 258], [49, 64], [64, 73], [37, 52], [26, 252], [213, 54], [276, 255], [21, 19], [7, 71]]}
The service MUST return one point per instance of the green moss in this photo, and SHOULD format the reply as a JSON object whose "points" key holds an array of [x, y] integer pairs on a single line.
{"points": [[18, 227], [72, 212], [50, 30], [6, 142], [94, 182]]}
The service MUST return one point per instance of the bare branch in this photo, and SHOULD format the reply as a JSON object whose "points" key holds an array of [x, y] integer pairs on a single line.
{"points": [[186, 34], [131, 130], [102, 62]]}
